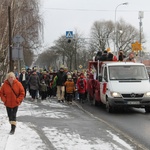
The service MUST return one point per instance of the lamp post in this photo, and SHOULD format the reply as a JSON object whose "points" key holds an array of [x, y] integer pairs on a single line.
{"points": [[116, 42]]}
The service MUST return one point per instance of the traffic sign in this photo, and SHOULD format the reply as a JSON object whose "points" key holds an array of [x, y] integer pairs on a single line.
{"points": [[69, 34], [18, 39], [80, 66], [17, 53]]}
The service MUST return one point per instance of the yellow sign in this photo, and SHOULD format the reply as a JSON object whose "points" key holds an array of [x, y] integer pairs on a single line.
{"points": [[80, 66], [136, 46]]}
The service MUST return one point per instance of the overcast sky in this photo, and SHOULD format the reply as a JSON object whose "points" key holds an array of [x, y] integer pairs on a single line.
{"points": [[67, 15]]}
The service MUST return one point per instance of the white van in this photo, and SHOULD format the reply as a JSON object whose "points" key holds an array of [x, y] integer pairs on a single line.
{"points": [[124, 84]]}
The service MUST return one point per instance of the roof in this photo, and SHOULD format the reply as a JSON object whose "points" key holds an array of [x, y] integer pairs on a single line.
{"points": [[123, 63], [112, 63], [115, 62]]}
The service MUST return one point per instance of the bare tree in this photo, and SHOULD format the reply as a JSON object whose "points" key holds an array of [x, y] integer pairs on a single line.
{"points": [[100, 35], [126, 35], [25, 21], [103, 36], [70, 50], [47, 59]]}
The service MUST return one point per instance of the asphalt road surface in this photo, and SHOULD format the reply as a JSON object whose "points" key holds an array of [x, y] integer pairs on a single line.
{"points": [[92, 124], [133, 122]]}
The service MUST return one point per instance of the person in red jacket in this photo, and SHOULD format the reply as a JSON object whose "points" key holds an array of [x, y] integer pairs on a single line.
{"points": [[81, 86], [12, 93]]}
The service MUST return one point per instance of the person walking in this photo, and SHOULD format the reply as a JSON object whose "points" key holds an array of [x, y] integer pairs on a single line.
{"points": [[46, 78], [70, 89], [54, 86], [43, 90], [61, 78], [29, 72], [34, 83], [75, 77], [12, 94], [81, 84], [23, 78]]}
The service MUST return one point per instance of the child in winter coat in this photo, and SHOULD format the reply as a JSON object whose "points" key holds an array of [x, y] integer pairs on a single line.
{"points": [[43, 90], [70, 88]]}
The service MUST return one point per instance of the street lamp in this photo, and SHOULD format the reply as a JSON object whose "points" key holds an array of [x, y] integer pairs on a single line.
{"points": [[116, 27]]}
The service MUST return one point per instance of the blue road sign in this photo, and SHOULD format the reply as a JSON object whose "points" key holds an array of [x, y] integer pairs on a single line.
{"points": [[18, 39], [69, 34]]}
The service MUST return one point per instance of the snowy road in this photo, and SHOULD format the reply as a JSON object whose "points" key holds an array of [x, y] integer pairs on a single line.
{"points": [[55, 126]]}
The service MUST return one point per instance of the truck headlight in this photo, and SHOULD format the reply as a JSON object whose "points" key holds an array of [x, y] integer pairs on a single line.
{"points": [[147, 94], [115, 94]]}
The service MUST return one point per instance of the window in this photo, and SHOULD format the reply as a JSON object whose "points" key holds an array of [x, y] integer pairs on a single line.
{"points": [[127, 72], [105, 74]]}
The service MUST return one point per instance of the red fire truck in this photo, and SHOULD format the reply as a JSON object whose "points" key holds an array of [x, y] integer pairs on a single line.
{"points": [[118, 84]]}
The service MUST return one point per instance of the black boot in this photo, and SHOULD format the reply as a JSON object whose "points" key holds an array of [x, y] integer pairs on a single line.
{"points": [[12, 131]]}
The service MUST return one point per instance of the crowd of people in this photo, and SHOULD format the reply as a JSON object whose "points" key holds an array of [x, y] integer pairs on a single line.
{"points": [[63, 84], [40, 85], [66, 85], [109, 56]]}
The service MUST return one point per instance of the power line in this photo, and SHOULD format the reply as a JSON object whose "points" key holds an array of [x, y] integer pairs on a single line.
{"points": [[67, 9], [102, 10]]}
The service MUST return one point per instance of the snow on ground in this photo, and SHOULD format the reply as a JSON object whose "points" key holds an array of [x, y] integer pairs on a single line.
{"points": [[73, 141], [116, 138], [26, 138], [32, 111]]}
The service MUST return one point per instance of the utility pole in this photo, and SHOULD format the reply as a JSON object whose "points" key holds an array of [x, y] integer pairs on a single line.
{"points": [[10, 43], [141, 16]]}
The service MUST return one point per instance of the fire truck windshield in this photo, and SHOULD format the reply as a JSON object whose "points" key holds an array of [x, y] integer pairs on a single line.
{"points": [[134, 72]]}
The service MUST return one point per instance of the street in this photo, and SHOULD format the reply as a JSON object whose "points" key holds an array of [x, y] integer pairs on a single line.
{"points": [[49, 125], [133, 122]]}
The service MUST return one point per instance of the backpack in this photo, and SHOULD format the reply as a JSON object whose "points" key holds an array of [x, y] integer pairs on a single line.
{"points": [[81, 83]]}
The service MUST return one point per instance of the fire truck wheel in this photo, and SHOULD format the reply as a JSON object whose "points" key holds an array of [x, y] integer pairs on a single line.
{"points": [[109, 108]]}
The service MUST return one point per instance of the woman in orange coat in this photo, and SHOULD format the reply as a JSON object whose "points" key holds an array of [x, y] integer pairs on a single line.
{"points": [[12, 94]]}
